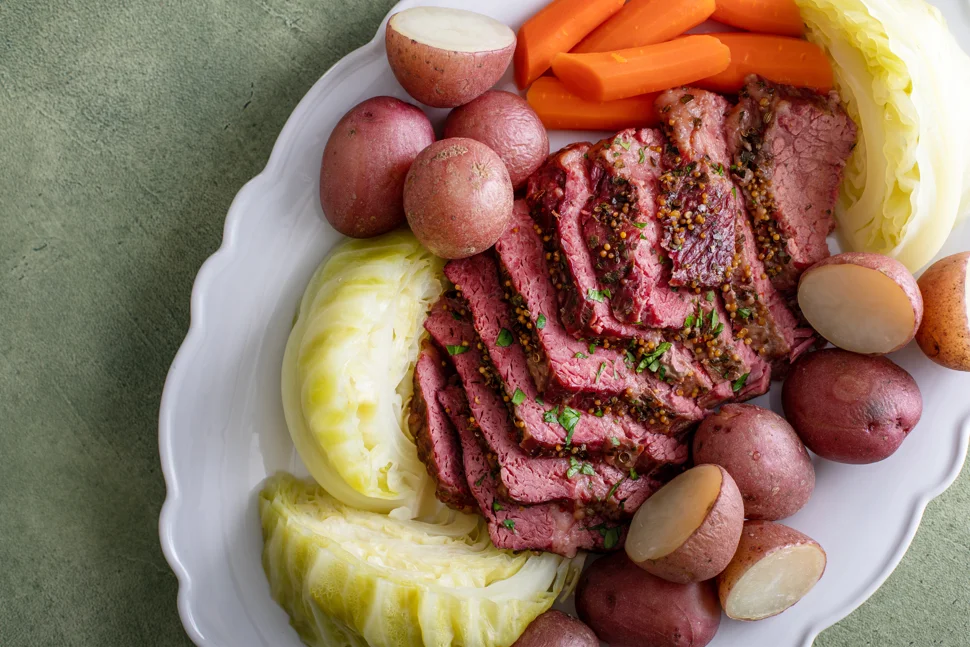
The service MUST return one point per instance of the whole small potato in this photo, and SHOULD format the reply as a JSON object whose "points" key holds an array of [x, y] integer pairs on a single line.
{"points": [[851, 408], [446, 57], [507, 124], [628, 607], [556, 629], [944, 335], [761, 451], [458, 197], [365, 163]]}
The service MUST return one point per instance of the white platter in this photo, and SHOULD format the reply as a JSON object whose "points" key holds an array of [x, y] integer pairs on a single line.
{"points": [[222, 429]]}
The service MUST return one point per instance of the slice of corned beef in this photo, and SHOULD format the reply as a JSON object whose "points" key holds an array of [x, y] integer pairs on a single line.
{"points": [[623, 234], [569, 366], [538, 427], [549, 527], [436, 440], [694, 121], [789, 147]]}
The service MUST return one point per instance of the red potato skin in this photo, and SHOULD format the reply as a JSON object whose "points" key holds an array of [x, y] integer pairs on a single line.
{"points": [[758, 540], [628, 607], [943, 336], [891, 268], [716, 538], [851, 408], [763, 454], [458, 197], [365, 162], [507, 124], [556, 629], [440, 78]]}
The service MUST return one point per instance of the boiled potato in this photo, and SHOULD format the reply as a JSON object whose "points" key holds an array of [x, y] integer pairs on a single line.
{"points": [[628, 607], [507, 124], [944, 335], [556, 629], [763, 455], [458, 197], [774, 568], [446, 57], [864, 303], [365, 162], [688, 530], [851, 408]]}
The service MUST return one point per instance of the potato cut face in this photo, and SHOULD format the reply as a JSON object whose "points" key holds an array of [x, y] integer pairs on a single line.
{"points": [[856, 308], [668, 518], [775, 583], [453, 30]]}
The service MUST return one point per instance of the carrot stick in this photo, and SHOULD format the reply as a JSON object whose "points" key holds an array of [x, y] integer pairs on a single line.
{"points": [[628, 72], [776, 58], [560, 109], [779, 17], [646, 22], [557, 28]]}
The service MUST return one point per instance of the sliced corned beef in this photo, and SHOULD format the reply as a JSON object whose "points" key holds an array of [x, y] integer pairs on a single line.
{"points": [[570, 366], [694, 121], [560, 364], [623, 234], [789, 147], [538, 426], [434, 436], [550, 527]]}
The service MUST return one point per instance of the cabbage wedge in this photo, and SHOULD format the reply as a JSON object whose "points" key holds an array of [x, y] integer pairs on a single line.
{"points": [[906, 83], [347, 370], [354, 578]]}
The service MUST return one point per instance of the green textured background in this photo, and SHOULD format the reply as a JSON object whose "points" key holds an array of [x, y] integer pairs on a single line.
{"points": [[125, 130]]}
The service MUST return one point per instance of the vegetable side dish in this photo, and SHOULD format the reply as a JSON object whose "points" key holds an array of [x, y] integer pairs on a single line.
{"points": [[552, 357]]}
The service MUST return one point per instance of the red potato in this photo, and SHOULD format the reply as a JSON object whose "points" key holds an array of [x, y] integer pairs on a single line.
{"points": [[365, 162], [446, 57], [864, 303], [763, 455], [944, 335], [458, 197], [556, 629], [774, 568], [851, 408], [688, 530], [628, 607], [507, 124]]}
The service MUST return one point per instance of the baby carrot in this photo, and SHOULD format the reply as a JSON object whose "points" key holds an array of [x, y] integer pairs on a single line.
{"points": [[628, 72], [782, 60], [557, 28], [779, 17], [560, 109], [646, 22]]}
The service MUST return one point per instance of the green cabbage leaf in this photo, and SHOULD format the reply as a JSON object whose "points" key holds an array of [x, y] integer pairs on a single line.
{"points": [[349, 577], [906, 83], [347, 370]]}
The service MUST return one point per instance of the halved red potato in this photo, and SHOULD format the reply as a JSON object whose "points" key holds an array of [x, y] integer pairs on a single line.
{"points": [[446, 57], [774, 567], [688, 531], [864, 303], [944, 335]]}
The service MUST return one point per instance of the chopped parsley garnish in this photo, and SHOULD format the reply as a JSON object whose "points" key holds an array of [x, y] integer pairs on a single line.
{"points": [[714, 319], [651, 362], [739, 383], [510, 524], [663, 373], [744, 313], [614, 441], [640, 225], [457, 350], [456, 316], [573, 467], [598, 295], [719, 168], [633, 475], [600, 371], [580, 355], [539, 401], [625, 144], [480, 480], [689, 321], [630, 359], [599, 413], [643, 155], [734, 191], [569, 418], [504, 338], [592, 349], [518, 397], [551, 416], [616, 486], [496, 506], [611, 536], [541, 321], [719, 329], [709, 296], [643, 236]]}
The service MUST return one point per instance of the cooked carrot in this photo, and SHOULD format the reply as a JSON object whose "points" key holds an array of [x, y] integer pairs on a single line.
{"points": [[779, 17], [646, 22], [628, 72], [778, 59], [560, 109], [557, 28]]}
